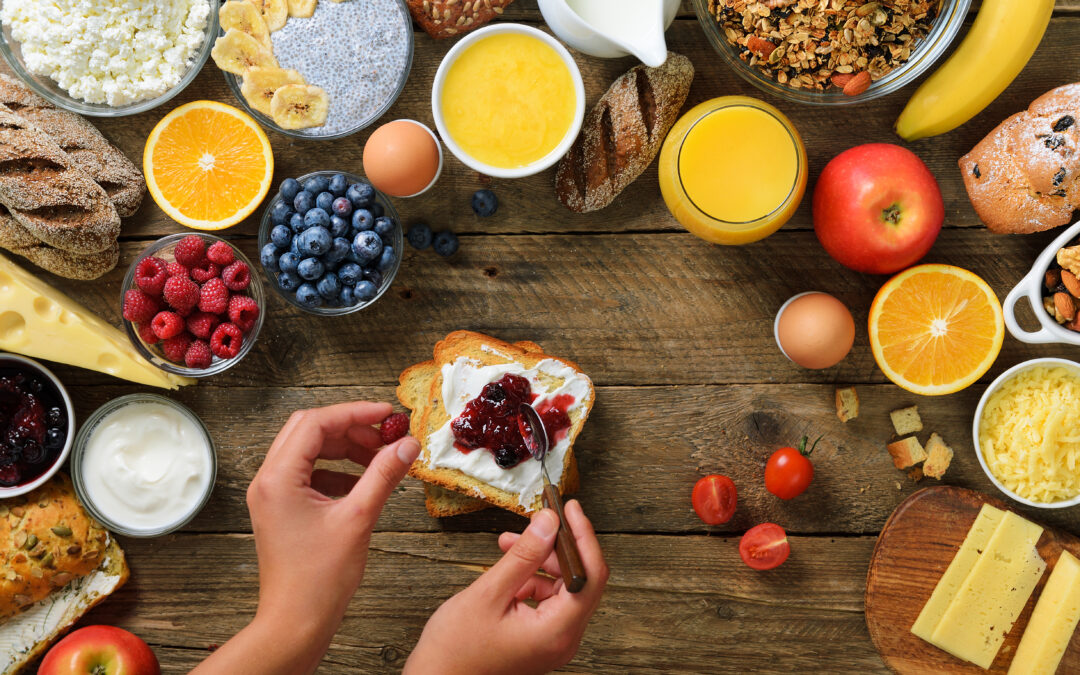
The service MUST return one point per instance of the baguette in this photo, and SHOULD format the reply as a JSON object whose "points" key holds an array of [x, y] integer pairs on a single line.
{"points": [[622, 134]]}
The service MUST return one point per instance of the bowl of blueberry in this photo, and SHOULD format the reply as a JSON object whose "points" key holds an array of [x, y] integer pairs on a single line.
{"points": [[37, 422], [330, 243]]}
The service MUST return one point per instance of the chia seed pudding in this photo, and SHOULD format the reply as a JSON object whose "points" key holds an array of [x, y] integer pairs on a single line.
{"points": [[358, 51]]}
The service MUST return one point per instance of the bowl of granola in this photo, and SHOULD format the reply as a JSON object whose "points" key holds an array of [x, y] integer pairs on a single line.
{"points": [[830, 52], [1052, 288]]}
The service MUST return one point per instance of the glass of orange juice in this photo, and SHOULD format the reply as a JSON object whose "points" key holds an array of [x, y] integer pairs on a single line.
{"points": [[733, 170]]}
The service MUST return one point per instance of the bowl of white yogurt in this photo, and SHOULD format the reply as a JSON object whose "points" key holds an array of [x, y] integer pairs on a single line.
{"points": [[143, 465]]}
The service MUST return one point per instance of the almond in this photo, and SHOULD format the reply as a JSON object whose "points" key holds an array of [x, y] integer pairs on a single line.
{"points": [[1065, 305], [841, 79], [857, 84], [1072, 284], [1074, 325], [1053, 278], [760, 46]]}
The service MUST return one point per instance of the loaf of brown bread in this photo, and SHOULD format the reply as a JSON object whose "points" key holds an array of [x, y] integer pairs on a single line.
{"points": [[447, 18], [1025, 175], [622, 134], [15, 238]]}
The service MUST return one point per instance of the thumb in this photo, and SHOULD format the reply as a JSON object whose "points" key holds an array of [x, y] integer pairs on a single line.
{"points": [[383, 474], [524, 558]]}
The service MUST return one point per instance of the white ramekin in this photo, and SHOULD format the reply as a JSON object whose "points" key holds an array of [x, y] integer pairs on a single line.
{"points": [[15, 360], [994, 386], [1031, 286], [548, 159]]}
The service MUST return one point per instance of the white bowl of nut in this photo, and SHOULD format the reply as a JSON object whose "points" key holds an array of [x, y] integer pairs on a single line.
{"points": [[1053, 290]]}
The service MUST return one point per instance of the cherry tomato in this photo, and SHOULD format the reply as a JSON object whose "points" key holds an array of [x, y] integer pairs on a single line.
{"points": [[764, 546], [714, 499], [788, 472]]}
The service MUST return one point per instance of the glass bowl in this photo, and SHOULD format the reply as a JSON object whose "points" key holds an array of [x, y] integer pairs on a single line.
{"points": [[388, 276], [951, 15], [83, 438], [163, 248], [47, 88], [313, 134]]}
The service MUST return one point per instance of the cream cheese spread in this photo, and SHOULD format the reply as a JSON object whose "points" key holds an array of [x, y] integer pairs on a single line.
{"points": [[463, 381]]}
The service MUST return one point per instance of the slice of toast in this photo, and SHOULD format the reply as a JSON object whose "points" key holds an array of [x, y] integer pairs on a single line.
{"points": [[420, 390]]}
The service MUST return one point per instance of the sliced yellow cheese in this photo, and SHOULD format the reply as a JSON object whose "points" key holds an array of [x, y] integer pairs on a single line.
{"points": [[1052, 623], [39, 321], [994, 593], [974, 544]]}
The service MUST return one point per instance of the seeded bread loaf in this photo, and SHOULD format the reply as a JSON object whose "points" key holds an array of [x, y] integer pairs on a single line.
{"points": [[1025, 175], [622, 133], [420, 390], [447, 18]]}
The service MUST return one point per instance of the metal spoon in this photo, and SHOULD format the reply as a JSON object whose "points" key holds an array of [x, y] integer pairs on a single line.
{"points": [[536, 442]]}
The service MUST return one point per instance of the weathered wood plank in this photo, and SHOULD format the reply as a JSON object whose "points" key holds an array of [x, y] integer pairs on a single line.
{"points": [[674, 604]]}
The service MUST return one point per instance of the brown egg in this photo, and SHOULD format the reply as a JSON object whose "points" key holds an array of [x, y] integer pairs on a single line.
{"points": [[815, 330], [401, 158]]}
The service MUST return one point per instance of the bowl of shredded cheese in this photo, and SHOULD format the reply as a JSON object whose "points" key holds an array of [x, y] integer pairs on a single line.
{"points": [[1027, 433]]}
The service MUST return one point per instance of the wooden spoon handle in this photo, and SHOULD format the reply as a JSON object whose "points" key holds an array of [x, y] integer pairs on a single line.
{"points": [[566, 550]]}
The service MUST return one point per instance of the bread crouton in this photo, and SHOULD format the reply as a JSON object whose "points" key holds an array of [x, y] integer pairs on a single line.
{"points": [[906, 452], [847, 404], [938, 457], [906, 420]]}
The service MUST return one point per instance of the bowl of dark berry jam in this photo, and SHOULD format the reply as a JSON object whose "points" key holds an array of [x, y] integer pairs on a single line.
{"points": [[37, 425]]}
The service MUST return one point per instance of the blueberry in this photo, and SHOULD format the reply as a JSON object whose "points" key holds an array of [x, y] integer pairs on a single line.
{"points": [[296, 223], [365, 290], [342, 207], [361, 195], [419, 236], [54, 416], [54, 439], [350, 273], [288, 262], [446, 243], [367, 246], [484, 203], [317, 217], [377, 210], [339, 227], [310, 269], [506, 456], [315, 241], [347, 298], [290, 187], [317, 184], [387, 259], [362, 219], [281, 235], [325, 201], [280, 212], [339, 250], [268, 256], [288, 281], [304, 201], [294, 247], [384, 227], [308, 296], [338, 185], [329, 286], [374, 276]]}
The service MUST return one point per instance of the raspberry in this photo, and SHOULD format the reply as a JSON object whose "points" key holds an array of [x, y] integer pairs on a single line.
{"points": [[214, 297], [198, 355], [394, 427], [236, 276], [167, 325], [146, 333], [139, 307], [175, 269], [226, 341], [181, 293], [150, 275], [175, 347], [190, 251], [220, 253], [202, 324], [205, 272], [243, 311]]}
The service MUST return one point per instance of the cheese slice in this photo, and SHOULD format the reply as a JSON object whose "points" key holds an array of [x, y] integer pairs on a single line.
{"points": [[994, 593], [39, 321], [974, 544], [1052, 623]]}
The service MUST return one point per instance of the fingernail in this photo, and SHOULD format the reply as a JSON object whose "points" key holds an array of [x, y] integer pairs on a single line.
{"points": [[545, 524], [408, 450]]}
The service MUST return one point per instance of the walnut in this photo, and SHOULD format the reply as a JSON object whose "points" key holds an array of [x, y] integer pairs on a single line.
{"points": [[1069, 258]]}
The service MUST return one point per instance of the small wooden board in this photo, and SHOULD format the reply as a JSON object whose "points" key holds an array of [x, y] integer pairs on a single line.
{"points": [[917, 544]]}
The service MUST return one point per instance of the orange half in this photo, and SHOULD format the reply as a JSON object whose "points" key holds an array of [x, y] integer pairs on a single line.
{"points": [[935, 329], [208, 165]]}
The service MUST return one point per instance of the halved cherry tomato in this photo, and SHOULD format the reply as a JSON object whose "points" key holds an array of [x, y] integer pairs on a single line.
{"points": [[789, 471], [764, 546], [714, 499]]}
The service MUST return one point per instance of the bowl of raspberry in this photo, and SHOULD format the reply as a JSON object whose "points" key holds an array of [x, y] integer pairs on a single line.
{"points": [[37, 425], [330, 243], [192, 304]]}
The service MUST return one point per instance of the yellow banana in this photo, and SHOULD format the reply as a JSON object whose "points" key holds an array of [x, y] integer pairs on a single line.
{"points": [[995, 50]]}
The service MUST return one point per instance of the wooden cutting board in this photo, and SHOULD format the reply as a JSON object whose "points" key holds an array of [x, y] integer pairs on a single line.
{"points": [[917, 544]]}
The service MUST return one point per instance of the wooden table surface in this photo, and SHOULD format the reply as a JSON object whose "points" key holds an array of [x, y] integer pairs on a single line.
{"points": [[676, 334]]}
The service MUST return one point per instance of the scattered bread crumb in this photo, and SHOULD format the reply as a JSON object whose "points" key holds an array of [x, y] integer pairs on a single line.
{"points": [[915, 473], [847, 403], [906, 420], [899, 486], [939, 456], [906, 452]]}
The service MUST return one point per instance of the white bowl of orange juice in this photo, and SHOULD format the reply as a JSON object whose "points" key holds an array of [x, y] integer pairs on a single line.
{"points": [[508, 100]]}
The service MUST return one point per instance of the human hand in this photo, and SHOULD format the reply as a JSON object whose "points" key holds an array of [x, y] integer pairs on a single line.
{"points": [[489, 628]]}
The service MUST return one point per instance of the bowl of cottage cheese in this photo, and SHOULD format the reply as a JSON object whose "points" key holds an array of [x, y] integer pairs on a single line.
{"points": [[107, 58]]}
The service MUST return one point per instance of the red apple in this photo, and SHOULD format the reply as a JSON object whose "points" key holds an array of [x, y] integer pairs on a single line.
{"points": [[100, 650], [877, 208]]}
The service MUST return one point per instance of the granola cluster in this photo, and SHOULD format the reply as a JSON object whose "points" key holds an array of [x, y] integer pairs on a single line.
{"points": [[817, 44]]}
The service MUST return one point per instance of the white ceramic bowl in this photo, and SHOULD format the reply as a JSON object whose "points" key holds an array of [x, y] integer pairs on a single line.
{"points": [[14, 360], [994, 386], [548, 159], [1031, 287]]}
